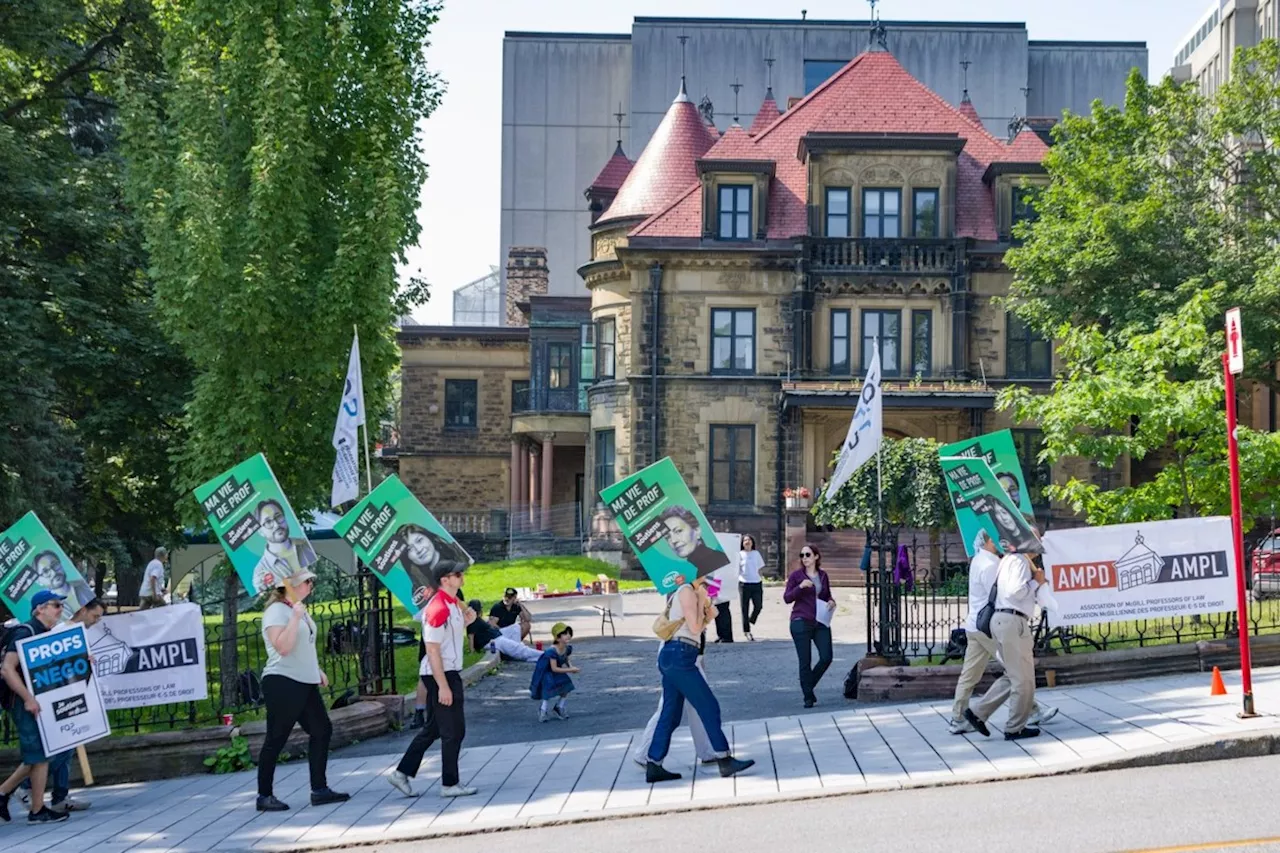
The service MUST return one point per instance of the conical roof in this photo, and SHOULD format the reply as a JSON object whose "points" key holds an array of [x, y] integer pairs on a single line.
{"points": [[768, 114], [667, 165], [969, 111], [614, 173]]}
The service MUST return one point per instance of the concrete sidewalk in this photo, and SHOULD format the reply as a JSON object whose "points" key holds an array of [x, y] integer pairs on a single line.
{"points": [[850, 749]]}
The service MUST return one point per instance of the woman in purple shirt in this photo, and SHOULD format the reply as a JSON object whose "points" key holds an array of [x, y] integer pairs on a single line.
{"points": [[809, 588]]}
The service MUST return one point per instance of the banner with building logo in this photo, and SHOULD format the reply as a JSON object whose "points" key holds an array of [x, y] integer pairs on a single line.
{"points": [[255, 524], [30, 560], [981, 502], [1000, 454], [664, 526], [401, 541], [56, 668], [150, 657], [1141, 571]]}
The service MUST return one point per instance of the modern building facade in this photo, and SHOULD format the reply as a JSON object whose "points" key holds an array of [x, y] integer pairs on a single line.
{"points": [[570, 99], [1204, 55]]}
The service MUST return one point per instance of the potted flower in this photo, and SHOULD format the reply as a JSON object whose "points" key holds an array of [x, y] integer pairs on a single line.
{"points": [[797, 498]]}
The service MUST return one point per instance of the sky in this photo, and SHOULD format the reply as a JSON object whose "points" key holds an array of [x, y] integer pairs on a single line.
{"points": [[462, 141]]}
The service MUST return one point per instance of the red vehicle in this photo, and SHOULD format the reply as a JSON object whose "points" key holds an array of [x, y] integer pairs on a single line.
{"points": [[1264, 567]]}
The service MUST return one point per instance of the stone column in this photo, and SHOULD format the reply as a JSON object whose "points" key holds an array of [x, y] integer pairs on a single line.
{"points": [[514, 476], [548, 454], [533, 485]]}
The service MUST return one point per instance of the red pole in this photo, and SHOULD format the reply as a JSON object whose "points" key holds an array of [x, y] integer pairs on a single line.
{"points": [[1237, 541]]}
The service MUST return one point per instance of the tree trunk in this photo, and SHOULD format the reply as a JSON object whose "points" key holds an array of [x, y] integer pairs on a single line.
{"points": [[227, 656]]}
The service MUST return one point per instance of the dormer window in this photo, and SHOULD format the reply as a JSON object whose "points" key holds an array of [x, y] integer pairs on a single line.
{"points": [[734, 212], [1024, 199], [881, 213]]}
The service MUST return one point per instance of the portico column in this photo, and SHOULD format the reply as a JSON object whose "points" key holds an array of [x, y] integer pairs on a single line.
{"points": [[515, 477], [548, 453], [533, 484]]}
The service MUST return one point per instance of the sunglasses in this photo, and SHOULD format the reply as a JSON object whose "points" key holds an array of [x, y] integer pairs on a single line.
{"points": [[806, 553]]}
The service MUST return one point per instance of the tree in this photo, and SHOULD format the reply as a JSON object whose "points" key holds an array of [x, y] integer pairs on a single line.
{"points": [[915, 494]]}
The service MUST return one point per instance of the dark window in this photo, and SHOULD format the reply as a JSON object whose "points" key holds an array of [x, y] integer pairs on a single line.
{"points": [[838, 213], [921, 342], [733, 340], [735, 212], [520, 395], [1029, 443], [604, 459], [881, 213], [559, 366], [733, 464], [840, 341], [1024, 201], [605, 365], [926, 214], [887, 325], [587, 352], [817, 71], [460, 403], [1029, 356]]}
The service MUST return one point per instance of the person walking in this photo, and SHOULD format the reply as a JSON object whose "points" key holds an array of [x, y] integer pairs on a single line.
{"points": [[690, 607], [291, 683], [701, 743], [808, 591], [443, 627], [750, 584], [153, 589]]}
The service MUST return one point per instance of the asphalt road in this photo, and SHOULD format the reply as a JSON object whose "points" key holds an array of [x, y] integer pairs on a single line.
{"points": [[1217, 806]]}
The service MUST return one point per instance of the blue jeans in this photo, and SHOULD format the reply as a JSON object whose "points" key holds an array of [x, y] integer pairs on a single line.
{"points": [[681, 680]]}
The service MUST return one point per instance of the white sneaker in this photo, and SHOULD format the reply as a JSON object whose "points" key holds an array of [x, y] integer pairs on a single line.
{"points": [[643, 762], [1042, 714], [70, 804], [961, 727], [400, 782], [542, 716], [457, 791]]}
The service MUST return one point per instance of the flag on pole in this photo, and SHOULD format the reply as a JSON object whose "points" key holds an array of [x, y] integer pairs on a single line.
{"points": [[346, 464], [866, 430]]}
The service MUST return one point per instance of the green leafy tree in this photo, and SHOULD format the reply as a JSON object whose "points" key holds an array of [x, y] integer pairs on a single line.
{"points": [[914, 491]]}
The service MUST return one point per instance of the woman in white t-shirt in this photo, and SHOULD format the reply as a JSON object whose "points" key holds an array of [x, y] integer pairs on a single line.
{"points": [[750, 584], [291, 683]]}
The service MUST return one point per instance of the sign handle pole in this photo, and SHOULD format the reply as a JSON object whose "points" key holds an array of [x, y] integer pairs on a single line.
{"points": [[1237, 542], [86, 772]]}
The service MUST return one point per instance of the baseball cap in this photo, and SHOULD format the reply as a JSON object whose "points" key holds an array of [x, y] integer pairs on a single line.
{"points": [[510, 593], [444, 568], [300, 576], [43, 597]]}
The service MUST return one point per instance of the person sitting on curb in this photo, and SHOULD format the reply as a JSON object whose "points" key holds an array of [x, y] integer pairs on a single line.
{"points": [[504, 641]]}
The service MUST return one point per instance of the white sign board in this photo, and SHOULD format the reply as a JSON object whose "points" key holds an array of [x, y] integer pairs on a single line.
{"points": [[727, 576], [1141, 571], [1235, 342], [55, 666], [150, 657]]}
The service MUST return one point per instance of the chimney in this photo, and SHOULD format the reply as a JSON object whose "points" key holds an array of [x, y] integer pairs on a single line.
{"points": [[527, 276]]}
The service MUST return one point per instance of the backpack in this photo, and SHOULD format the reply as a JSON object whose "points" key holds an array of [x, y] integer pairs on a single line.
{"points": [[6, 693], [250, 688]]}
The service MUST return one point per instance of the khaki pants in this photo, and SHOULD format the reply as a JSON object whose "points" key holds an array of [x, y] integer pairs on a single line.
{"points": [[149, 601], [977, 654], [1018, 683]]}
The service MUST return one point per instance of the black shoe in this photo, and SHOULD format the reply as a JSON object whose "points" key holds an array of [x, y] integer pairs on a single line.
{"points": [[417, 721], [4, 807], [1028, 731], [732, 766], [328, 796], [271, 804], [978, 725], [809, 703], [47, 815], [655, 772]]}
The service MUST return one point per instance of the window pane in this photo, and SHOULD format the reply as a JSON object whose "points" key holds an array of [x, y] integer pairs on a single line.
{"points": [[926, 222], [726, 198], [837, 226], [1017, 360], [742, 198], [742, 445], [891, 201], [743, 226], [726, 226], [840, 323], [720, 482], [889, 355], [743, 483], [889, 321], [921, 342], [871, 201], [744, 323], [1040, 358], [720, 352], [890, 227], [722, 322], [742, 353], [719, 443], [838, 202]]}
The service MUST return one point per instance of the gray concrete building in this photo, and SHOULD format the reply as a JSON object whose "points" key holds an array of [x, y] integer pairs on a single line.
{"points": [[561, 91], [1204, 54]]}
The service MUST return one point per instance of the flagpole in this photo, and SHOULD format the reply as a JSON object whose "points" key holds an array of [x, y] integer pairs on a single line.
{"points": [[368, 469]]}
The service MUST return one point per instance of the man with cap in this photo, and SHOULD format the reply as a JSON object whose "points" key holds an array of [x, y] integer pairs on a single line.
{"points": [[508, 611], [46, 613], [443, 623], [504, 641]]}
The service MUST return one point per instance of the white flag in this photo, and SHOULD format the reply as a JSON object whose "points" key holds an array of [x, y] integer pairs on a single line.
{"points": [[346, 464], [866, 430]]}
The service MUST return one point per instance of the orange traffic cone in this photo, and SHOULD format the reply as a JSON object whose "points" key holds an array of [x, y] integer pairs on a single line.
{"points": [[1217, 688]]}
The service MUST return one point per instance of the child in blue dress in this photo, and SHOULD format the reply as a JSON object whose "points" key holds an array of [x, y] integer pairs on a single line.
{"points": [[551, 674]]}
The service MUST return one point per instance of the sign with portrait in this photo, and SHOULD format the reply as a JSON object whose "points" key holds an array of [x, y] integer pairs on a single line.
{"points": [[255, 524], [664, 526], [150, 657], [401, 541], [55, 666], [998, 451], [30, 560], [980, 501], [1141, 571]]}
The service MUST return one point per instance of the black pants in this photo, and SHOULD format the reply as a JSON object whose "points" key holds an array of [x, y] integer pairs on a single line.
{"points": [[806, 634], [751, 594], [724, 623], [444, 722], [290, 702]]}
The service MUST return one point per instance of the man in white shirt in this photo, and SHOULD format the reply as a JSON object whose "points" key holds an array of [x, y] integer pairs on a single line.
{"points": [[1020, 586], [153, 589], [443, 624]]}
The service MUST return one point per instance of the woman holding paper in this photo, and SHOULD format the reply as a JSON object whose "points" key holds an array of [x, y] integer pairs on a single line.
{"points": [[291, 683], [808, 592]]}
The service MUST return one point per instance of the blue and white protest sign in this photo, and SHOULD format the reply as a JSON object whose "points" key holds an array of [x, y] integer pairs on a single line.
{"points": [[150, 657], [56, 668]]}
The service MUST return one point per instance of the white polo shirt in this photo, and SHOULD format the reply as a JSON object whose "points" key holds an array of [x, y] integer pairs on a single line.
{"points": [[1018, 590], [442, 623]]}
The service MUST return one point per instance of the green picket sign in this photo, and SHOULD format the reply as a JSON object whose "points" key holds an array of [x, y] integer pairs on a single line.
{"points": [[31, 560], [981, 502], [1000, 454]]}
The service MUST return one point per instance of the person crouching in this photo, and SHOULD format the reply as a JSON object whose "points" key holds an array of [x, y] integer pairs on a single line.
{"points": [[551, 674]]}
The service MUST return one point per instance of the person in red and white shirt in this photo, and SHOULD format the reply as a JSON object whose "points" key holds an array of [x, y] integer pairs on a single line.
{"points": [[444, 620]]}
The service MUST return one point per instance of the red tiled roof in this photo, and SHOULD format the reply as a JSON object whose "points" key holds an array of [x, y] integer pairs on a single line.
{"points": [[667, 166], [1027, 147], [768, 114], [614, 173], [735, 145], [969, 111], [872, 94]]}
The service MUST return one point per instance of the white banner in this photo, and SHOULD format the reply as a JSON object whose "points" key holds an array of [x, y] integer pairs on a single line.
{"points": [[150, 657], [727, 576], [346, 463], [1141, 571], [865, 430], [56, 668]]}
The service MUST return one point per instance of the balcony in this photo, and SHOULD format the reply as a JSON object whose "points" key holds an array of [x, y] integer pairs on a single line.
{"points": [[549, 400], [874, 255]]}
